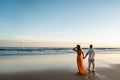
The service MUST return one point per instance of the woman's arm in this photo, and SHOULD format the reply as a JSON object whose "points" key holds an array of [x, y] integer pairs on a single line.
{"points": [[74, 49], [83, 54]]}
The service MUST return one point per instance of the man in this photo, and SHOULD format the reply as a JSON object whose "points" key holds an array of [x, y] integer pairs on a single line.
{"points": [[91, 58]]}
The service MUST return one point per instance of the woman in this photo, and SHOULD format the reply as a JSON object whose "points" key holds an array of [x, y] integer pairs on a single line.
{"points": [[80, 56]]}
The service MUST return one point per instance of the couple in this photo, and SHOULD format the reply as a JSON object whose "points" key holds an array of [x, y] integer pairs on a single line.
{"points": [[80, 57]]}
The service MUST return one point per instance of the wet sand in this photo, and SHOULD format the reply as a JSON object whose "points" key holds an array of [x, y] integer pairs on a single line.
{"points": [[57, 67]]}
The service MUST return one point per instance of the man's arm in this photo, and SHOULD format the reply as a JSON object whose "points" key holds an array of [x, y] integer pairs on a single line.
{"points": [[86, 55], [94, 53]]}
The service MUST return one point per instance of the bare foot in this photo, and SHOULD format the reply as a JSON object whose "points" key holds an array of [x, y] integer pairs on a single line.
{"points": [[88, 70], [77, 73]]}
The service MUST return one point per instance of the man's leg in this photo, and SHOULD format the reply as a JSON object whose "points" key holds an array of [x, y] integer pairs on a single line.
{"points": [[93, 65], [89, 65]]}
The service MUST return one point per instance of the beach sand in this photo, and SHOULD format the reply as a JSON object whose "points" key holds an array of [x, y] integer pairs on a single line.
{"points": [[57, 67]]}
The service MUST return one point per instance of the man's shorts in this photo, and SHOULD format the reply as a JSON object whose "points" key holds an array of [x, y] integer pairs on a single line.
{"points": [[91, 60]]}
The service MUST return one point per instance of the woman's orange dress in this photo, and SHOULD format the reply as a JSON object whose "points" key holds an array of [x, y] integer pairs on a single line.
{"points": [[80, 64]]}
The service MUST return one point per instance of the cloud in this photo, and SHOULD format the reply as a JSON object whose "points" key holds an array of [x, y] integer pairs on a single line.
{"points": [[24, 38], [30, 41]]}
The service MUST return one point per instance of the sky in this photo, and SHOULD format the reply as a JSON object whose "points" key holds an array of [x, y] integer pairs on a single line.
{"points": [[59, 23]]}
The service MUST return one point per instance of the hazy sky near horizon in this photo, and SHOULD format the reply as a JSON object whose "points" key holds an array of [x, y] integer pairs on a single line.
{"points": [[83, 21]]}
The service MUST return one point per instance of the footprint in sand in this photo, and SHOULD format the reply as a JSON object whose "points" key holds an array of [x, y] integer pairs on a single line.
{"points": [[100, 76], [94, 76]]}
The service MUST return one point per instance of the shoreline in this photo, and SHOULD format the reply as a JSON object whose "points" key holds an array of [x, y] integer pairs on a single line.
{"points": [[60, 67]]}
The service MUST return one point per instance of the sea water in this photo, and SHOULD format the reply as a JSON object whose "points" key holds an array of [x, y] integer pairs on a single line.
{"points": [[19, 59], [49, 50]]}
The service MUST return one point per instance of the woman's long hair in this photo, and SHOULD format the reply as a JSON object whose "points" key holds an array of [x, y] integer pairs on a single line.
{"points": [[78, 47]]}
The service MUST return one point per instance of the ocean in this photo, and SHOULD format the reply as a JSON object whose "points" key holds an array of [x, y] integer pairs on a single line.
{"points": [[50, 50]]}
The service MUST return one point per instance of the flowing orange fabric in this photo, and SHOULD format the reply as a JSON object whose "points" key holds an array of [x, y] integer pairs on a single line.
{"points": [[80, 64]]}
